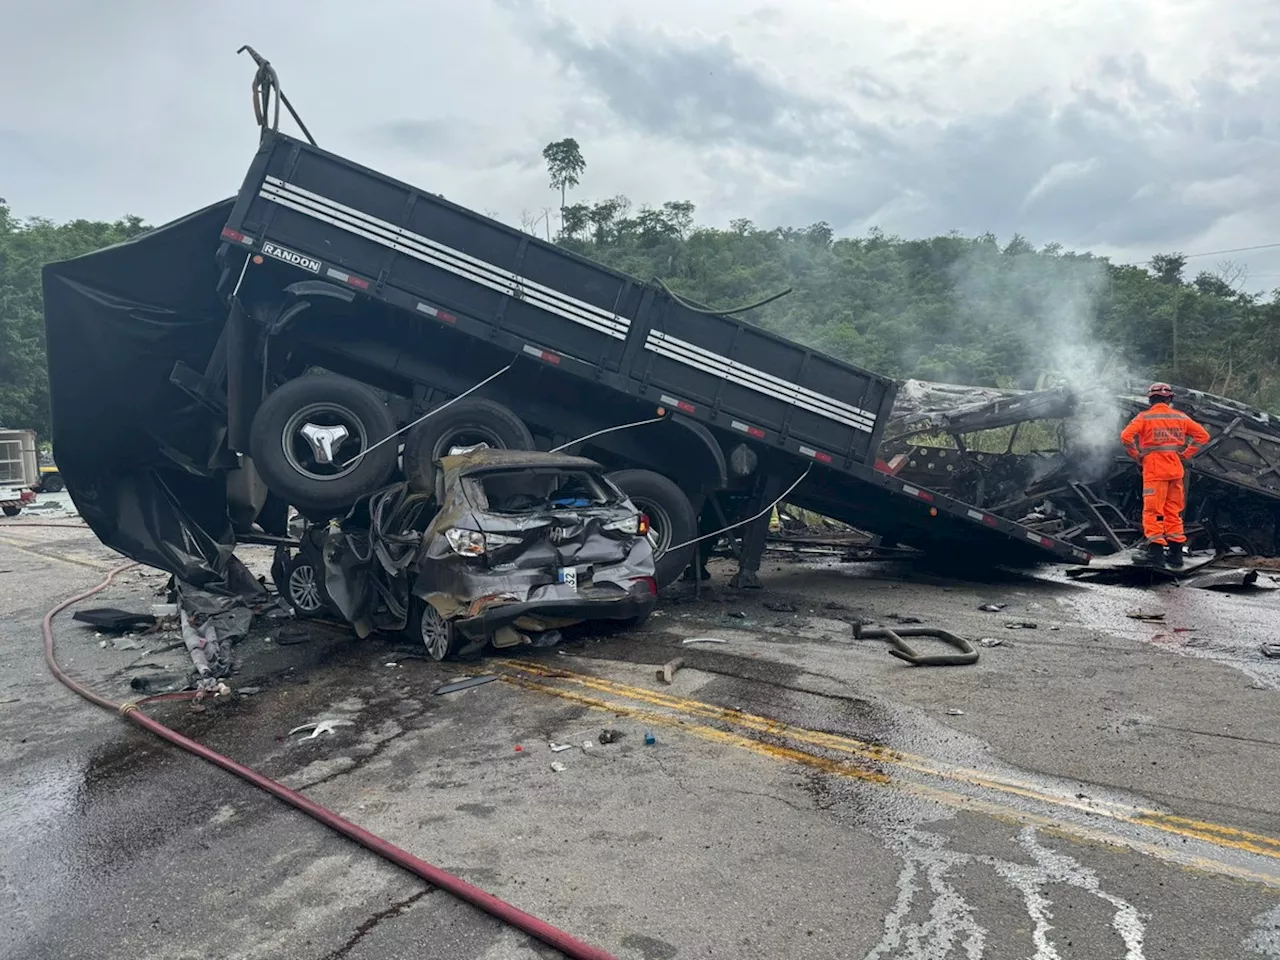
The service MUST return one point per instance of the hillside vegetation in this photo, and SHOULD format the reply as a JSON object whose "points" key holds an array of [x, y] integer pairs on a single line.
{"points": [[962, 309]]}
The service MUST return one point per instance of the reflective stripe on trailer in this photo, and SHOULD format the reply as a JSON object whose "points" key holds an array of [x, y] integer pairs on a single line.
{"points": [[747, 429], [541, 354], [816, 454], [344, 277], [682, 405], [700, 358], [917, 492], [438, 255], [436, 312]]}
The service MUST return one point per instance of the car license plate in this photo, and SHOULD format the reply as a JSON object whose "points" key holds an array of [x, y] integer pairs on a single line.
{"points": [[569, 576]]}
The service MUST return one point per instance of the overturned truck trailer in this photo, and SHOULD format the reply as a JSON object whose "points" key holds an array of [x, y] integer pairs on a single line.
{"points": [[1080, 484], [283, 347]]}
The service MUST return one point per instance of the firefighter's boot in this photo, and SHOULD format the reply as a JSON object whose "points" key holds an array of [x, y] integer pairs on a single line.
{"points": [[1175, 554], [1155, 554]]}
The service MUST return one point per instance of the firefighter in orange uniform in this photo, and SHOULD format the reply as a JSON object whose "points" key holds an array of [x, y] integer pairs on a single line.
{"points": [[1162, 439]]}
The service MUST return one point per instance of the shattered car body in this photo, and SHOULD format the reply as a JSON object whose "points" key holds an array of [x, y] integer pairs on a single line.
{"points": [[532, 542], [520, 544], [1080, 485]]}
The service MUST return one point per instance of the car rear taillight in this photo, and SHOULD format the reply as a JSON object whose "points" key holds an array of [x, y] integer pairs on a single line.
{"points": [[651, 583]]}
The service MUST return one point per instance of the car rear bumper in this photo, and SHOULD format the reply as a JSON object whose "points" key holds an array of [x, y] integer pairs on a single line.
{"points": [[628, 607]]}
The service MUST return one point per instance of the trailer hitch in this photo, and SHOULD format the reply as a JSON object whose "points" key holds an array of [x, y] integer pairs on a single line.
{"points": [[903, 651]]}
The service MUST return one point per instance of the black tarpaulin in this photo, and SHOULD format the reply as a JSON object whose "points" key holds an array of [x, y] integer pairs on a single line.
{"points": [[133, 448]]}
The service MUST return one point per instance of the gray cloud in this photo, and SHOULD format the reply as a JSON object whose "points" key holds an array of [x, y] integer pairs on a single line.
{"points": [[697, 90], [1122, 160]]}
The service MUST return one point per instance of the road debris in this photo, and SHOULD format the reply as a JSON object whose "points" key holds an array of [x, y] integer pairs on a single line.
{"points": [[992, 607], [1239, 579], [611, 736], [321, 726], [1021, 625], [464, 684], [668, 669], [113, 620], [991, 642], [557, 767], [559, 747], [1140, 615], [903, 651], [1271, 650], [778, 606], [906, 618], [953, 712], [703, 640], [649, 738]]}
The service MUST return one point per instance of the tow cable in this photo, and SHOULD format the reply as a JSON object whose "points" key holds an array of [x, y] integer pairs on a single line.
{"points": [[132, 710]]}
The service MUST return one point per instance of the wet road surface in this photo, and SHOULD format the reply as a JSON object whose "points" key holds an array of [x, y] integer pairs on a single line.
{"points": [[1087, 791]]}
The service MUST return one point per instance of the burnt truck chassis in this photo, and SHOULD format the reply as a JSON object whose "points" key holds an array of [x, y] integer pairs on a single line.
{"points": [[1233, 484]]}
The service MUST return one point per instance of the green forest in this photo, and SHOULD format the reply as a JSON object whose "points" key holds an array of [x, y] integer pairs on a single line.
{"points": [[977, 310]]}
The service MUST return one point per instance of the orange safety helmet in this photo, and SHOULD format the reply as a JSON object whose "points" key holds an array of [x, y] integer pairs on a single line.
{"points": [[1160, 390]]}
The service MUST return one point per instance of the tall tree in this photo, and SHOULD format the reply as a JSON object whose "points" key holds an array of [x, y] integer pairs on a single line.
{"points": [[564, 164]]}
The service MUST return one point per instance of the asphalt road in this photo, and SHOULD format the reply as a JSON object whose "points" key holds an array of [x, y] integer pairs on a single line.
{"points": [[1104, 789]]}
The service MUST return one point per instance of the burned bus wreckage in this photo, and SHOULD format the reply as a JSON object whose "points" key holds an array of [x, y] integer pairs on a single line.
{"points": [[1052, 461]]}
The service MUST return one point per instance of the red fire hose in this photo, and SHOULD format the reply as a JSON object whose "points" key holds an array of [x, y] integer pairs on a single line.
{"points": [[527, 923]]}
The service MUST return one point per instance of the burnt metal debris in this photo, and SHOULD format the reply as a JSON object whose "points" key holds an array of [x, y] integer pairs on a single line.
{"points": [[903, 651], [1076, 483]]}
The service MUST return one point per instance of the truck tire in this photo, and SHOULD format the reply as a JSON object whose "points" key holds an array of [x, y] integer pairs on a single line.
{"points": [[52, 484], [295, 468], [470, 421], [672, 519], [11, 511]]}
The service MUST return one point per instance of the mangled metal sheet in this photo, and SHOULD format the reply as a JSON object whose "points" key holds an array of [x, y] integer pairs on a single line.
{"points": [[1088, 491], [513, 544]]}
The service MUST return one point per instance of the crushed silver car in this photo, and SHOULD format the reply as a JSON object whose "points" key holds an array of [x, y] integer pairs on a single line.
{"points": [[521, 544]]}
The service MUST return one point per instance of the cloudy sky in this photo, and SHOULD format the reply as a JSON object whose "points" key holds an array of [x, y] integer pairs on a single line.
{"points": [[1127, 127]]}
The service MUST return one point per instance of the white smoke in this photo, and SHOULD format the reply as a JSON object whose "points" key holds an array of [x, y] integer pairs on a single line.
{"points": [[1047, 306]]}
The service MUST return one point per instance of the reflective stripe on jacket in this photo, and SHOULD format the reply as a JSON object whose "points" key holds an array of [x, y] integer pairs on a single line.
{"points": [[1158, 437]]}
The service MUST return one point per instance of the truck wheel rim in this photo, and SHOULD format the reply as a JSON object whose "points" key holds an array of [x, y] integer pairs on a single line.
{"points": [[304, 589], [466, 437], [435, 633], [300, 453], [659, 526]]}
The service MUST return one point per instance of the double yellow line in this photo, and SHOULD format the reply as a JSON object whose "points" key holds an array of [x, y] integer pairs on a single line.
{"points": [[861, 760]]}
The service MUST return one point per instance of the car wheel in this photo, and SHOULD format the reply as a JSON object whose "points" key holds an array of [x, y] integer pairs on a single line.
{"points": [[303, 587], [468, 422], [672, 519], [308, 434], [52, 484], [11, 511], [435, 632]]}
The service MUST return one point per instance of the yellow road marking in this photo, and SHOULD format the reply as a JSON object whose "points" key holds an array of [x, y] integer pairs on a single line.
{"points": [[29, 546], [1214, 833]]}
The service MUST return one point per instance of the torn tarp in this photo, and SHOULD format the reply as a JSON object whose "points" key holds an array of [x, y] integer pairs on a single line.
{"points": [[134, 449]]}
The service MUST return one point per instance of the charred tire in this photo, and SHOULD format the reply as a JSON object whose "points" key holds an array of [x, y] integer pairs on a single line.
{"points": [[465, 423], [52, 484], [671, 519], [295, 466], [11, 511]]}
